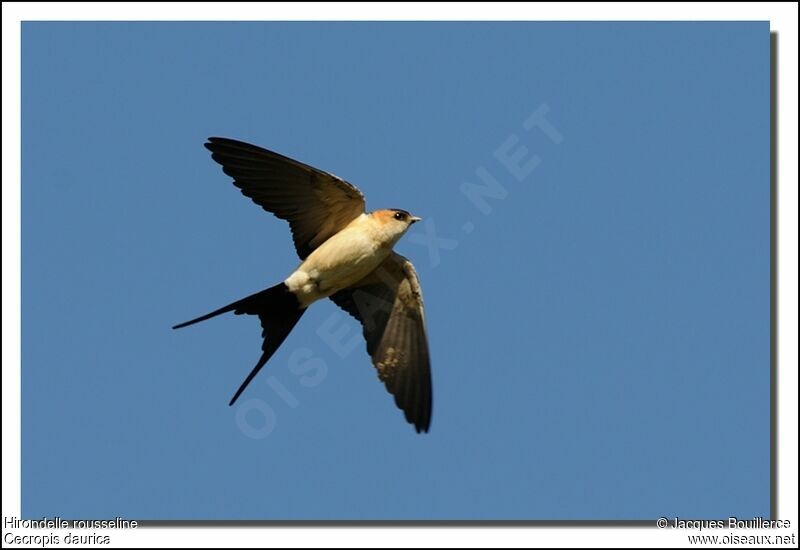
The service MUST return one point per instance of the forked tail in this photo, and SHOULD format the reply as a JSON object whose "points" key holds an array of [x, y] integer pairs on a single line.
{"points": [[277, 308]]}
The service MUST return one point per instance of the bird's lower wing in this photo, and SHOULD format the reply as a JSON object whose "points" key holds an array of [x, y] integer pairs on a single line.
{"points": [[388, 303]]}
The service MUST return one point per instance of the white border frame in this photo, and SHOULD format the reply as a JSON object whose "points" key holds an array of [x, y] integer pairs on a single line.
{"points": [[783, 19]]}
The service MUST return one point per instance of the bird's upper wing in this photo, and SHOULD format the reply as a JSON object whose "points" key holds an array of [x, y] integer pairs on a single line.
{"points": [[388, 303], [316, 204]]}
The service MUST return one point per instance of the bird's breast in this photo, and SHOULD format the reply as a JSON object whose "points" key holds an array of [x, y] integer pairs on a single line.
{"points": [[338, 263]]}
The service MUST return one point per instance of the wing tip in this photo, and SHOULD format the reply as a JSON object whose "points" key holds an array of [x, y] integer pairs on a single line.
{"points": [[215, 144], [422, 423], [212, 141]]}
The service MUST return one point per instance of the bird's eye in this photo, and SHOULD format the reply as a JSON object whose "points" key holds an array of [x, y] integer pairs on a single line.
{"points": [[399, 216]]}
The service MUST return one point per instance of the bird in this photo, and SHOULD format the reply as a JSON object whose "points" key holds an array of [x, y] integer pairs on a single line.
{"points": [[346, 255]]}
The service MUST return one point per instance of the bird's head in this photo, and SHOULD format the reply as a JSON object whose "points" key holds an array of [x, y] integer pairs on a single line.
{"points": [[392, 223]]}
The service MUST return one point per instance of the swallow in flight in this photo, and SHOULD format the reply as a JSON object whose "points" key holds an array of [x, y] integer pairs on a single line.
{"points": [[346, 256]]}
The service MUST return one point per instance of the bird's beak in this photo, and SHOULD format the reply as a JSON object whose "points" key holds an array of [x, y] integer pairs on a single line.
{"points": [[415, 219]]}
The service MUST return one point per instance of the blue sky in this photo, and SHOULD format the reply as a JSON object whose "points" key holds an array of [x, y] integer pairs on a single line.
{"points": [[599, 322]]}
